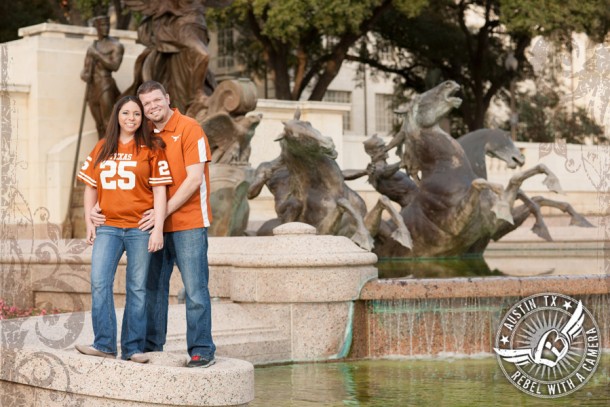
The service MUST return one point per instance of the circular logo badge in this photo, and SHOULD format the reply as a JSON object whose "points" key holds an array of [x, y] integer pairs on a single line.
{"points": [[548, 345]]}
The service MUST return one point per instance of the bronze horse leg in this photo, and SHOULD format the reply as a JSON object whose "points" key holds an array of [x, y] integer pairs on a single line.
{"points": [[520, 214], [576, 219], [532, 206], [361, 237], [372, 220], [551, 182]]}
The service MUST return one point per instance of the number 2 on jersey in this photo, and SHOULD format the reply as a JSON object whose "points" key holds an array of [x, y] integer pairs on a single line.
{"points": [[163, 168]]}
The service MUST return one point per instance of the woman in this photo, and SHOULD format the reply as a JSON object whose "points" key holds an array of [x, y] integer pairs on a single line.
{"points": [[126, 174]]}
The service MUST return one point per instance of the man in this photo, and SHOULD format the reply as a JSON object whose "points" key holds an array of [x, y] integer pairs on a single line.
{"points": [[188, 215], [104, 56]]}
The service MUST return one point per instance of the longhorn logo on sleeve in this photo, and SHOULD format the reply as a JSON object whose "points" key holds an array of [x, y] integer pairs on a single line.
{"points": [[548, 345]]}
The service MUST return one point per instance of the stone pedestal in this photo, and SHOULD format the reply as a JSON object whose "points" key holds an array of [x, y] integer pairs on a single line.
{"points": [[55, 378], [39, 367], [306, 283]]}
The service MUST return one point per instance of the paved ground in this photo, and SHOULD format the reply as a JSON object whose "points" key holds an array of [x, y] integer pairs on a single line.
{"points": [[561, 231]]}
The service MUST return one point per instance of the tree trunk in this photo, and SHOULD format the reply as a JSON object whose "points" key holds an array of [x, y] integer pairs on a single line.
{"points": [[278, 62], [331, 70], [122, 18]]}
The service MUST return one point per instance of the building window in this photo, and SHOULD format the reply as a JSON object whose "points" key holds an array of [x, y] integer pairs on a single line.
{"points": [[225, 48], [384, 114], [341, 96]]}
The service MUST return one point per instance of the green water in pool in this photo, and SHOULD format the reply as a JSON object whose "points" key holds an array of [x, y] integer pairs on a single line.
{"points": [[410, 382]]}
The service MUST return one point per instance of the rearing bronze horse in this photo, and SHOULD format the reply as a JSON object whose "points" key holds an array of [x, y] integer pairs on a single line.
{"points": [[452, 208]]}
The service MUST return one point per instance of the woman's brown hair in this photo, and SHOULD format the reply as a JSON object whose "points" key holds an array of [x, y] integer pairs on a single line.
{"points": [[142, 137]]}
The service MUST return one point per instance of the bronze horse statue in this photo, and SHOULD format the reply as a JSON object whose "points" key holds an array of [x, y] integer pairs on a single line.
{"points": [[493, 143], [455, 210], [498, 143], [309, 187]]}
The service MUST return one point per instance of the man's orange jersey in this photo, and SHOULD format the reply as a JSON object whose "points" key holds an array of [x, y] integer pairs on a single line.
{"points": [[124, 181], [187, 144]]}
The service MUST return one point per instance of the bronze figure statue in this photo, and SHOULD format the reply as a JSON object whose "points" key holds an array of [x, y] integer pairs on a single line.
{"points": [[226, 123], [453, 208], [387, 179], [104, 56], [176, 38], [229, 132]]}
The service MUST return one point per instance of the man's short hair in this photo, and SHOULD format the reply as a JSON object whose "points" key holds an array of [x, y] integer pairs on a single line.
{"points": [[149, 86]]}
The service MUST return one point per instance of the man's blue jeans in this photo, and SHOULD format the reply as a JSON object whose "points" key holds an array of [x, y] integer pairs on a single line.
{"points": [[109, 245], [189, 250]]}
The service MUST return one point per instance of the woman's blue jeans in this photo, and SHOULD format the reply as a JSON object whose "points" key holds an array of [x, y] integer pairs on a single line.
{"points": [[189, 250], [109, 245]]}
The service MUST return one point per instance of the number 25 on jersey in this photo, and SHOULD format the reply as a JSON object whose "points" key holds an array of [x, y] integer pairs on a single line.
{"points": [[124, 170]]}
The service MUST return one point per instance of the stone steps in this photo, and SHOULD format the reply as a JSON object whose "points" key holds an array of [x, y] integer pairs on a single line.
{"points": [[238, 333]]}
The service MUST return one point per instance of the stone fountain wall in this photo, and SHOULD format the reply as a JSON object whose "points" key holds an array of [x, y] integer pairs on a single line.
{"points": [[301, 294], [432, 317]]}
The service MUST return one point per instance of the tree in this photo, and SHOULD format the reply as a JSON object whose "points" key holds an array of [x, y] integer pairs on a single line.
{"points": [[92, 8], [440, 44], [303, 43], [545, 112], [22, 13], [469, 40]]}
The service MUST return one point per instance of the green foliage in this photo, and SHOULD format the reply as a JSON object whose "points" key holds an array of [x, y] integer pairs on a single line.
{"points": [[410, 8], [22, 13], [544, 118], [86, 9], [557, 18], [92, 8], [286, 20], [302, 42]]}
